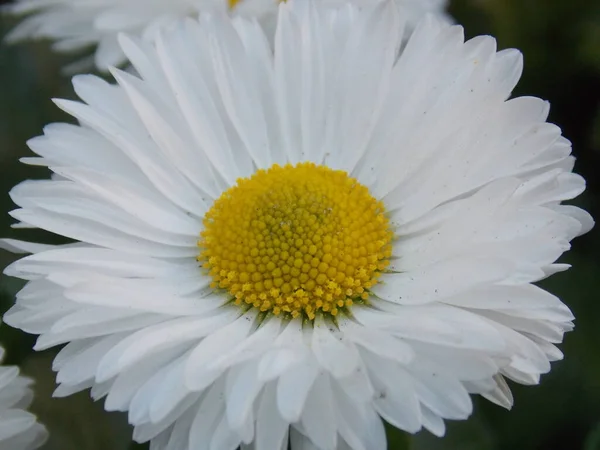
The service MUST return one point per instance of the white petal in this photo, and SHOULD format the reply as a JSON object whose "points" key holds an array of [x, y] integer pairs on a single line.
{"points": [[213, 346], [271, 428], [318, 417], [440, 280]]}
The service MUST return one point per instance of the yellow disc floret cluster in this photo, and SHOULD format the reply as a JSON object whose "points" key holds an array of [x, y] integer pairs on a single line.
{"points": [[296, 240]]}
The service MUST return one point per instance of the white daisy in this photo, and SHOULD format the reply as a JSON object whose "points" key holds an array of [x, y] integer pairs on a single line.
{"points": [[76, 24], [19, 429], [299, 243]]}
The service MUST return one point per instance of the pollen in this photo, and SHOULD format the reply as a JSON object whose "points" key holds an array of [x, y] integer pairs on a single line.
{"points": [[296, 241]]}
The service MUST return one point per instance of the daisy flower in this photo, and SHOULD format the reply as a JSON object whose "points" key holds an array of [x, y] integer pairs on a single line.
{"points": [[76, 24], [295, 245], [19, 429]]}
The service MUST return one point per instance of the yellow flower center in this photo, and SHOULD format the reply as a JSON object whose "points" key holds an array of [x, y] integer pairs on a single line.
{"points": [[296, 240]]}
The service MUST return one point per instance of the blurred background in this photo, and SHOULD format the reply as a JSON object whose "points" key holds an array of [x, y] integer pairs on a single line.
{"points": [[561, 43]]}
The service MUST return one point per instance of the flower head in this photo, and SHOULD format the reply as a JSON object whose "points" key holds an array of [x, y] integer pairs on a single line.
{"points": [[75, 25], [19, 429], [298, 243]]}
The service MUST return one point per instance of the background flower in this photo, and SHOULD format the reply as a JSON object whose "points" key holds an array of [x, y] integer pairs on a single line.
{"points": [[75, 25], [19, 429]]}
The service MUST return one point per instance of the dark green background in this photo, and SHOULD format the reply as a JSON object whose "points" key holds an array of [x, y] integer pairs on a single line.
{"points": [[561, 44]]}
